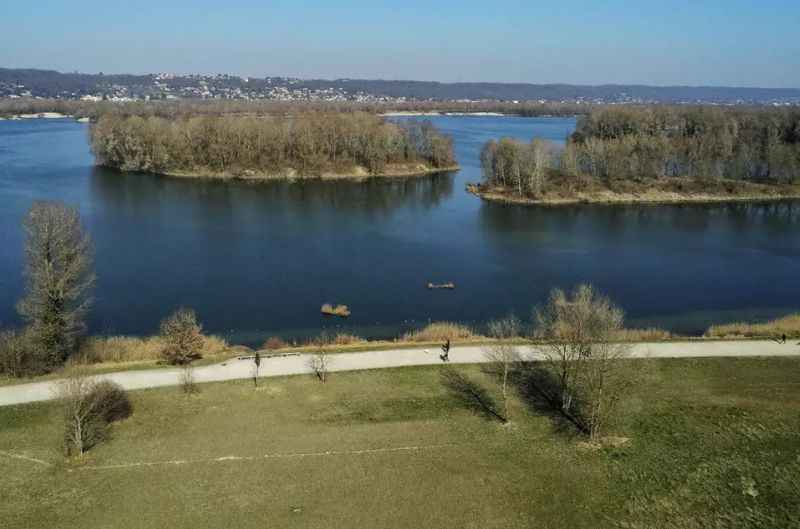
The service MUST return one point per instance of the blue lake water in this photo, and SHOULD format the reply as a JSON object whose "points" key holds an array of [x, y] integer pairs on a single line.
{"points": [[259, 259]]}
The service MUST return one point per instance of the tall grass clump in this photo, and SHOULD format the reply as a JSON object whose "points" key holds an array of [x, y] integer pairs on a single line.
{"points": [[439, 332], [788, 325], [119, 349], [651, 334]]}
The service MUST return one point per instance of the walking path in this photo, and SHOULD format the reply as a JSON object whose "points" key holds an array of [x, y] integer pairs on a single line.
{"points": [[299, 364]]}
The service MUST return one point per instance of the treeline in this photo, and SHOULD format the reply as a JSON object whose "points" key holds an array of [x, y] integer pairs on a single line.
{"points": [[222, 107], [656, 143], [302, 143]]}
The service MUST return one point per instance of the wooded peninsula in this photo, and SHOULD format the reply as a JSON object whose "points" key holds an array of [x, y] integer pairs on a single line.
{"points": [[654, 154], [300, 144]]}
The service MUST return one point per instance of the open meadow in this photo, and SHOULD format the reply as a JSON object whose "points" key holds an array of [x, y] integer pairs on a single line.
{"points": [[700, 443]]}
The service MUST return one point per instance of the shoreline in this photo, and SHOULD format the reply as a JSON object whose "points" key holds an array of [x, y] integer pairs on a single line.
{"points": [[43, 115], [358, 174], [436, 113], [648, 197]]}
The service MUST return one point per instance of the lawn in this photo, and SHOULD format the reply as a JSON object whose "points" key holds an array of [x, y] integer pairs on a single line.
{"points": [[713, 443]]}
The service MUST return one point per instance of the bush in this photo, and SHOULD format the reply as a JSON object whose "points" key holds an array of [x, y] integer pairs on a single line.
{"points": [[89, 408], [113, 402], [182, 336]]}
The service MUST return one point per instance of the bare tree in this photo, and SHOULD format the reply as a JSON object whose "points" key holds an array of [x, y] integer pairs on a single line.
{"points": [[188, 383], [319, 363], [58, 273], [89, 407], [183, 337], [579, 352], [502, 354]]}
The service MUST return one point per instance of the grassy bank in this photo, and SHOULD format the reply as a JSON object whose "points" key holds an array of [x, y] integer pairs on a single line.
{"points": [[710, 443], [670, 191]]}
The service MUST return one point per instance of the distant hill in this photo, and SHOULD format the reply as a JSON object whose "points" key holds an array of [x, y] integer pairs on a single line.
{"points": [[53, 84]]}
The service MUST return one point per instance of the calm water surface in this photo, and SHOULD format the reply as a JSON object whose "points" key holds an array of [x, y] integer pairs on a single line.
{"points": [[260, 259]]}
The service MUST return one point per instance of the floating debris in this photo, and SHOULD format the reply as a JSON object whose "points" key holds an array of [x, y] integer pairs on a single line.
{"points": [[441, 285], [342, 311]]}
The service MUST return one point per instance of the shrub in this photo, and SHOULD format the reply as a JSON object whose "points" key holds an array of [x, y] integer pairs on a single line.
{"points": [[439, 332], [113, 401], [89, 408], [182, 336]]}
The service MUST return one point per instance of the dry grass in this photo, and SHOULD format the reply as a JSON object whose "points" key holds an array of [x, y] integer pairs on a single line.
{"points": [[652, 334], [439, 332], [788, 325], [132, 349], [336, 339], [274, 343]]}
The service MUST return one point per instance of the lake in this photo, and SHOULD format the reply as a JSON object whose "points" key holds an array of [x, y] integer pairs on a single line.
{"points": [[259, 259]]}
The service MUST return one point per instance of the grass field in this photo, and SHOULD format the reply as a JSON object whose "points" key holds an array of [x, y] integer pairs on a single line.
{"points": [[713, 443]]}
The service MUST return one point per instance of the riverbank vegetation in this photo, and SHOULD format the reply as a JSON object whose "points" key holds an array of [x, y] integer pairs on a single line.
{"points": [[302, 144], [653, 154], [774, 329], [697, 443]]}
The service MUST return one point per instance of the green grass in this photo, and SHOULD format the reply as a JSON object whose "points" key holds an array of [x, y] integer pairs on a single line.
{"points": [[714, 443], [110, 367]]}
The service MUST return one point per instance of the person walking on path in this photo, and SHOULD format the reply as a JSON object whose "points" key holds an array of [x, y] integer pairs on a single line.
{"points": [[445, 356], [257, 362]]}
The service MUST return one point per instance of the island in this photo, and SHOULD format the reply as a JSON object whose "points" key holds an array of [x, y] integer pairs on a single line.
{"points": [[651, 154], [293, 145]]}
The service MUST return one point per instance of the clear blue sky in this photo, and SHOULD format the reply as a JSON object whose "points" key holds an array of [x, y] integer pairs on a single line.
{"points": [[700, 42]]}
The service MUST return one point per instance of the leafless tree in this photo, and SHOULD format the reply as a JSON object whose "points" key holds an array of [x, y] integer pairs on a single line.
{"points": [[319, 363], [58, 273], [188, 383], [502, 354], [579, 352]]}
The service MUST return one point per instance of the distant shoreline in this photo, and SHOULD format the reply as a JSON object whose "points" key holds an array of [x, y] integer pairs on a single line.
{"points": [[420, 113], [43, 115], [645, 196]]}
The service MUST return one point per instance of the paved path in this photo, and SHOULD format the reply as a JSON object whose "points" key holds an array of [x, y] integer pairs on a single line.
{"points": [[298, 364]]}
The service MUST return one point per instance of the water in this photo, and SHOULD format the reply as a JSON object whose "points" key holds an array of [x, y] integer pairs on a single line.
{"points": [[260, 259]]}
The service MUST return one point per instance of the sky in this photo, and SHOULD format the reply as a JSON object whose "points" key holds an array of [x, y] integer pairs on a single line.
{"points": [[678, 42]]}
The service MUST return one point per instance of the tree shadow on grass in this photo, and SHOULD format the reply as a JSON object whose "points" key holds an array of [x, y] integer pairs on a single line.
{"points": [[470, 394], [539, 389]]}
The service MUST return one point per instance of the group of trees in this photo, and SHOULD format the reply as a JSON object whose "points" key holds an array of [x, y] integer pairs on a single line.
{"points": [[59, 277], [580, 372], [649, 143], [306, 143], [522, 167]]}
